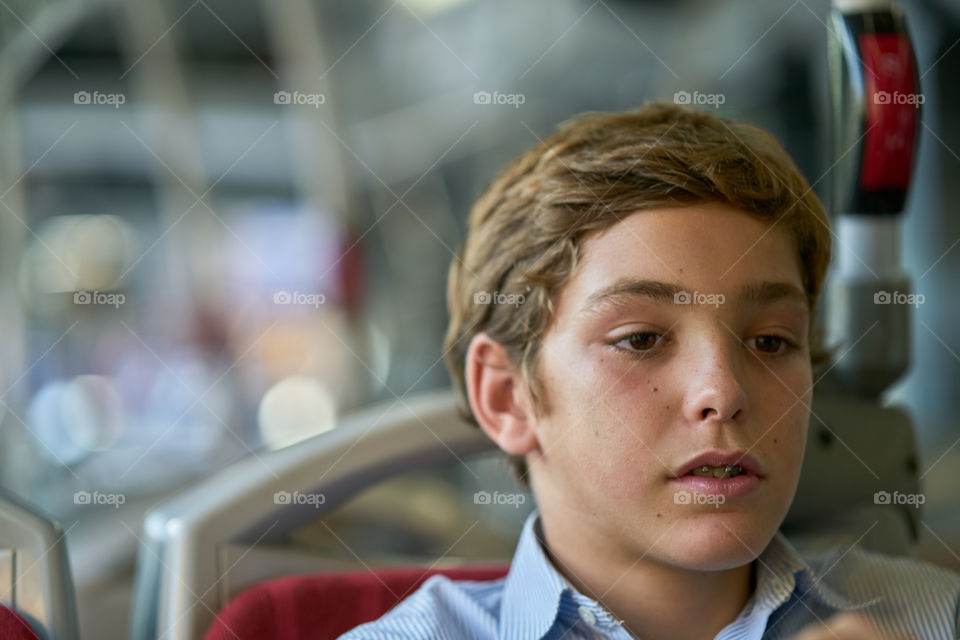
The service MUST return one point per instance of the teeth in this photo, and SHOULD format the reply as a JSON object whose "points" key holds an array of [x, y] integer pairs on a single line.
{"points": [[722, 472]]}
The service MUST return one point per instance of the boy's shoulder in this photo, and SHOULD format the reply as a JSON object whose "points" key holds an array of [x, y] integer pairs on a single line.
{"points": [[913, 591], [874, 571], [440, 608]]}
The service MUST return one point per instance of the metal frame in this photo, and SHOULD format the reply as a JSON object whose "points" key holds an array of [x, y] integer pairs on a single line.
{"points": [[35, 576]]}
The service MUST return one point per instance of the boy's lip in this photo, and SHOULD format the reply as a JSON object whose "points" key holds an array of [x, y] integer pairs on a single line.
{"points": [[719, 458]]}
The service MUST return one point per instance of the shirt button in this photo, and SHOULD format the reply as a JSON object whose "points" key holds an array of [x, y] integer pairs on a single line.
{"points": [[587, 616]]}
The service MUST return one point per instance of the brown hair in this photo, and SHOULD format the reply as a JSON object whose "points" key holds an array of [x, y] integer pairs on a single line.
{"points": [[526, 229]]}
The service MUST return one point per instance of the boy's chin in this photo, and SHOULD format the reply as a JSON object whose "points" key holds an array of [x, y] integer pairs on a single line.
{"points": [[725, 543]]}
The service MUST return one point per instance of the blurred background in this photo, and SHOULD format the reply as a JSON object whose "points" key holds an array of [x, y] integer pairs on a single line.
{"points": [[225, 224]]}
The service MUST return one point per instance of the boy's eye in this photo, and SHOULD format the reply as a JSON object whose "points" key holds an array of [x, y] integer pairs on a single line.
{"points": [[772, 344], [640, 342]]}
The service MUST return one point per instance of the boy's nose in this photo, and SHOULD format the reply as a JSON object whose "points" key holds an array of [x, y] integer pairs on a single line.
{"points": [[714, 390]]}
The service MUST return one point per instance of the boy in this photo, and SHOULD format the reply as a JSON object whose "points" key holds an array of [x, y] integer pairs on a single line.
{"points": [[654, 386]]}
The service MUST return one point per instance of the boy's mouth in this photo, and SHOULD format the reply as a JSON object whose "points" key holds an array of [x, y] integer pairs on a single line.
{"points": [[721, 472], [731, 474], [721, 465]]}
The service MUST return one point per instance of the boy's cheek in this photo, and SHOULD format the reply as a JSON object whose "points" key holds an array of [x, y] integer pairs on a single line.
{"points": [[603, 454], [785, 449]]}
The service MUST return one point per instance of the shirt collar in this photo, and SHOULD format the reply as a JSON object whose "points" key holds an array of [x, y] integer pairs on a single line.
{"points": [[535, 593], [533, 588], [781, 570]]}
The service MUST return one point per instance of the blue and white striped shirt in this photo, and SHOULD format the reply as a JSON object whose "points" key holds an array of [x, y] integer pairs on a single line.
{"points": [[534, 601]]}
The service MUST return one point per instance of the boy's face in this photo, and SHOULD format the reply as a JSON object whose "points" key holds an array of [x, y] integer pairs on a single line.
{"points": [[626, 414]]}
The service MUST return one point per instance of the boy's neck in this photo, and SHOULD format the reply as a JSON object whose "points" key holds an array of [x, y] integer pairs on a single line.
{"points": [[653, 600]]}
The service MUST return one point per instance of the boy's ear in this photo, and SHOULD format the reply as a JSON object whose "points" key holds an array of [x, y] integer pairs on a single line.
{"points": [[497, 396]]}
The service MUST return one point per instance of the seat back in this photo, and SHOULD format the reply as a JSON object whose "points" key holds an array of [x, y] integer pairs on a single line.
{"points": [[193, 558], [290, 607], [35, 580], [197, 545]]}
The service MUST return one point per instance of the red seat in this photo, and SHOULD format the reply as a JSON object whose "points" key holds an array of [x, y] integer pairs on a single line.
{"points": [[14, 627], [326, 605]]}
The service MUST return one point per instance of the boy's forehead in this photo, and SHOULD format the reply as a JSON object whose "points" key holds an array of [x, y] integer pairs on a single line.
{"points": [[710, 248]]}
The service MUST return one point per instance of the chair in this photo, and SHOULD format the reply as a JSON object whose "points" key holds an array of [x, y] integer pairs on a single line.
{"points": [[36, 590], [195, 557]]}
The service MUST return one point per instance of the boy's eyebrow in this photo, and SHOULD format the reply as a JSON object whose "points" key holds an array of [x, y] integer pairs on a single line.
{"points": [[755, 293]]}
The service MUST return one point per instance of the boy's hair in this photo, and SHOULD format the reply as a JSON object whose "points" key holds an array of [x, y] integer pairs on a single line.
{"points": [[526, 230]]}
